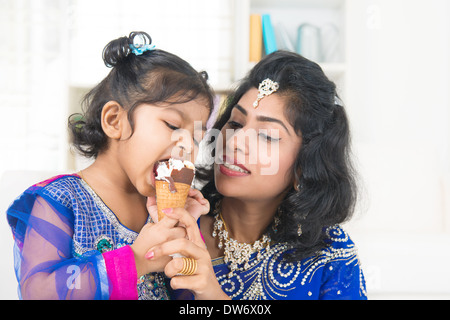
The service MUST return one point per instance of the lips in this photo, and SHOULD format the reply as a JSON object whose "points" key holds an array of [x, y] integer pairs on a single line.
{"points": [[154, 172], [232, 168]]}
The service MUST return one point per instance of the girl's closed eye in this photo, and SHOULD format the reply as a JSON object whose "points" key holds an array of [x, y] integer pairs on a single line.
{"points": [[171, 126]]}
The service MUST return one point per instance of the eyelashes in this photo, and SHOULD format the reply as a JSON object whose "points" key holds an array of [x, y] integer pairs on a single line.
{"points": [[171, 127], [175, 128], [236, 125]]}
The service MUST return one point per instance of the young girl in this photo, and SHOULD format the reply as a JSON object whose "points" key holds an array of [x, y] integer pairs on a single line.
{"points": [[281, 185], [86, 235]]}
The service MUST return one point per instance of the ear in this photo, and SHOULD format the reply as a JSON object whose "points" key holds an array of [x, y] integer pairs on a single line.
{"points": [[113, 117]]}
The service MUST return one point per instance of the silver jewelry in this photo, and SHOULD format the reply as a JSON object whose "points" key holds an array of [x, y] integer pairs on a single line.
{"points": [[236, 253], [266, 88], [299, 230]]}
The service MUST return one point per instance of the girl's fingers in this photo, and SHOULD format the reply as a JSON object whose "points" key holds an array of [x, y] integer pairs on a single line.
{"points": [[152, 208], [172, 234], [182, 246], [189, 222]]}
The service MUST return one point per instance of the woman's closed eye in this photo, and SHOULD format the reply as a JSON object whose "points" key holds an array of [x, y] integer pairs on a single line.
{"points": [[269, 138], [235, 125], [262, 133]]}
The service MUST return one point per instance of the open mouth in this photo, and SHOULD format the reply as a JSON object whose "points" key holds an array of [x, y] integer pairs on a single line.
{"points": [[155, 170], [235, 168], [155, 166], [232, 168]]}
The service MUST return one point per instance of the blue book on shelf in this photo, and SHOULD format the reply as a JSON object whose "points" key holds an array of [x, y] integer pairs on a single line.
{"points": [[270, 43]]}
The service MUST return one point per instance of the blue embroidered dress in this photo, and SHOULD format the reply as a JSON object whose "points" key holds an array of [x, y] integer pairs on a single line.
{"points": [[335, 273], [63, 231]]}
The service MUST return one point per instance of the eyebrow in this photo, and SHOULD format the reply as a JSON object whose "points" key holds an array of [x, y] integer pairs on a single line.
{"points": [[262, 118]]}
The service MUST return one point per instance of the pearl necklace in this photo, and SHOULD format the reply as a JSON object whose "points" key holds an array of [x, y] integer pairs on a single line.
{"points": [[236, 253]]}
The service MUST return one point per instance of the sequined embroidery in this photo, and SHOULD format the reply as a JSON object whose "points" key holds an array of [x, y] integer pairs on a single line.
{"points": [[103, 244], [272, 277], [97, 228]]}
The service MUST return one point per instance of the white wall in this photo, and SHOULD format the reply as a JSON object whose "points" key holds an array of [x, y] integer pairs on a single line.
{"points": [[397, 94], [398, 81]]}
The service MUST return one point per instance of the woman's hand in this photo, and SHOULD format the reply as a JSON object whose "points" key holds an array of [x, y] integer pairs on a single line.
{"points": [[152, 234], [196, 205], [203, 283]]}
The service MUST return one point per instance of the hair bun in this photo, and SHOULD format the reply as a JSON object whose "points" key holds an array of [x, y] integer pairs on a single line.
{"points": [[118, 50]]}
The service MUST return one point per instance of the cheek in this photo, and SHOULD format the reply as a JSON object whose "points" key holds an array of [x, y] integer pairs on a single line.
{"points": [[269, 158], [275, 165]]}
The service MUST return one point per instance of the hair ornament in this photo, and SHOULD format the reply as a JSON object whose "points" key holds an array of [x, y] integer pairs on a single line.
{"points": [[139, 49], [266, 88]]}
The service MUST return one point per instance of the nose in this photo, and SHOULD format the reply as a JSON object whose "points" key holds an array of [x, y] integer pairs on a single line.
{"points": [[236, 141], [183, 151], [183, 145], [242, 145]]}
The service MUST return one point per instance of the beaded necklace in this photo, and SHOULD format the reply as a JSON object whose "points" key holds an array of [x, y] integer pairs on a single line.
{"points": [[236, 253]]}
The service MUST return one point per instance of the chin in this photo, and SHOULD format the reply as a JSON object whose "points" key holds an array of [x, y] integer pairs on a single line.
{"points": [[249, 191], [236, 190], [147, 190]]}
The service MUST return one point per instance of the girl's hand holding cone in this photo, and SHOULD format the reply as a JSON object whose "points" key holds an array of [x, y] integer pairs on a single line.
{"points": [[196, 205], [165, 230], [202, 282]]}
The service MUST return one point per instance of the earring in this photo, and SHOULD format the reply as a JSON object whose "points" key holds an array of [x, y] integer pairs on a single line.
{"points": [[299, 230], [276, 220]]}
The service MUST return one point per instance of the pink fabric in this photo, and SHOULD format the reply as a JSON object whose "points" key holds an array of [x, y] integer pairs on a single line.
{"points": [[122, 274], [48, 181]]}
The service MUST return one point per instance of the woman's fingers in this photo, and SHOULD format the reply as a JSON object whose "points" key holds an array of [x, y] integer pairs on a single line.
{"points": [[196, 204], [182, 246], [197, 195], [174, 267], [189, 222], [175, 240]]}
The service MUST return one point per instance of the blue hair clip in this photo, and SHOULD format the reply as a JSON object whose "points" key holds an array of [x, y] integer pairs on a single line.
{"points": [[141, 48]]}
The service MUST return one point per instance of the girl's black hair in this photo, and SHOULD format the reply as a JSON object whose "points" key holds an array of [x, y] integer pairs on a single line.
{"points": [[153, 77], [322, 169]]}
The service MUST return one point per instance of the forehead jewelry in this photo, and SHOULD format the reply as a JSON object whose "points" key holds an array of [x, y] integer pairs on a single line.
{"points": [[266, 88]]}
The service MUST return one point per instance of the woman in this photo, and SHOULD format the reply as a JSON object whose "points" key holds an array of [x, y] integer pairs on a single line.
{"points": [[281, 184]]}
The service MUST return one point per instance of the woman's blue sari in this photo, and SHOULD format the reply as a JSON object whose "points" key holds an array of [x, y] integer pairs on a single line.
{"points": [[335, 273]]}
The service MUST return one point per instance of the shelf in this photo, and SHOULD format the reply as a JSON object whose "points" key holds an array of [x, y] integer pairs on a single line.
{"points": [[322, 22], [333, 4]]}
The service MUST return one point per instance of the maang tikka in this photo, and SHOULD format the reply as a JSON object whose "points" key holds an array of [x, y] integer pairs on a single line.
{"points": [[266, 88]]}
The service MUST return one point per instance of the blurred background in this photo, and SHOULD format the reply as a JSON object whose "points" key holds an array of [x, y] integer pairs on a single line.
{"points": [[389, 58]]}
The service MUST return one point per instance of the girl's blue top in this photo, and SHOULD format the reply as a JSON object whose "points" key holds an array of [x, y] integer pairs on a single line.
{"points": [[61, 229]]}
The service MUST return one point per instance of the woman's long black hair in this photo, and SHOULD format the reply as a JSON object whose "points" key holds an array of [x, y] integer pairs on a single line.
{"points": [[322, 169]]}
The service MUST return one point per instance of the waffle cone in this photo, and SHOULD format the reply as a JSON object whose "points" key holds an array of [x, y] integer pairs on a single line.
{"points": [[166, 199]]}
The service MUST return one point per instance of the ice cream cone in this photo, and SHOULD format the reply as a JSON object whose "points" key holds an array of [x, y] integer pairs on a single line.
{"points": [[167, 199]]}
